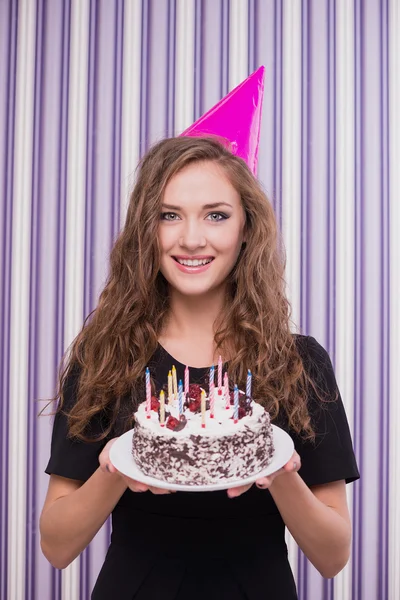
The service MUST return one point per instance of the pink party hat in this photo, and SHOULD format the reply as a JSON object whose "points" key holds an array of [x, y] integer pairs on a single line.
{"points": [[237, 117]]}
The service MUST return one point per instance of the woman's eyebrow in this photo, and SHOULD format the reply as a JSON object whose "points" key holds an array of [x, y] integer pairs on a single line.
{"points": [[205, 207]]}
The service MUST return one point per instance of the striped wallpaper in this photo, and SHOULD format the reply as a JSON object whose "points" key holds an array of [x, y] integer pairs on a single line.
{"points": [[85, 87]]}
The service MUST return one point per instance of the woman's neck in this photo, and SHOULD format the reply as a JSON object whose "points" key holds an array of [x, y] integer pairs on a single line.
{"points": [[193, 316]]}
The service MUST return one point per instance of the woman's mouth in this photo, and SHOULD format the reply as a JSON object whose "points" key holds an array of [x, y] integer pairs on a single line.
{"points": [[193, 265]]}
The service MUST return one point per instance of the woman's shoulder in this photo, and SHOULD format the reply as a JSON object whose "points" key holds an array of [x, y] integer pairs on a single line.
{"points": [[309, 348], [317, 362]]}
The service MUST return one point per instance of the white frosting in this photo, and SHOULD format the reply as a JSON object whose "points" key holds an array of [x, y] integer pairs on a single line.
{"points": [[222, 423]]}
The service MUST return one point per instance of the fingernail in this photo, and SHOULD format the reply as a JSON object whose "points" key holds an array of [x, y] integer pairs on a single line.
{"points": [[262, 486], [295, 466]]}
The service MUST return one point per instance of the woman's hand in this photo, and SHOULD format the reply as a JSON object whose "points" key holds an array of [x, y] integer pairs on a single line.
{"points": [[107, 466], [264, 483]]}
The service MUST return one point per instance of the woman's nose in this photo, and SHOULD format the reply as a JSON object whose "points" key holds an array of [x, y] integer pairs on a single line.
{"points": [[192, 237]]}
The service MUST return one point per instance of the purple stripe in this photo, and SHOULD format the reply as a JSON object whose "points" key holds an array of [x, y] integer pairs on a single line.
{"points": [[34, 299], [357, 581], [278, 112], [224, 89], [383, 512], [61, 217], [117, 119], [198, 59], [331, 187], [305, 216], [252, 39], [90, 193], [11, 17], [305, 204], [116, 150], [144, 76], [328, 584], [170, 66]]}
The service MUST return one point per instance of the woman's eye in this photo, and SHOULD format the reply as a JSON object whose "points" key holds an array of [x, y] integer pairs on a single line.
{"points": [[217, 216], [169, 216]]}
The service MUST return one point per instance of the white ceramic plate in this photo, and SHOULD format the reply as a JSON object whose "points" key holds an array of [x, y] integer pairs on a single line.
{"points": [[122, 459]]}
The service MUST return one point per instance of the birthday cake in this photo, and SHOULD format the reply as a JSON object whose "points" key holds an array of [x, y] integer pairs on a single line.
{"points": [[200, 440]]}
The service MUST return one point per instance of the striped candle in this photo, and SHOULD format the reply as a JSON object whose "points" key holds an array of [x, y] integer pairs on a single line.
{"points": [[212, 392], [248, 385], [226, 391], [148, 393], [180, 396], [186, 380], [220, 375], [236, 404]]}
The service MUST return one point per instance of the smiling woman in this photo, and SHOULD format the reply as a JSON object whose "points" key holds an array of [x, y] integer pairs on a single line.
{"points": [[200, 241], [197, 272]]}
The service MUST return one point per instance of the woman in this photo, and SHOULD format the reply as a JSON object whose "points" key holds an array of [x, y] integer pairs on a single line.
{"points": [[195, 201]]}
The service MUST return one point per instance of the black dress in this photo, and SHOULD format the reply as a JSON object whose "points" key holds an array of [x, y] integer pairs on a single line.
{"points": [[191, 546]]}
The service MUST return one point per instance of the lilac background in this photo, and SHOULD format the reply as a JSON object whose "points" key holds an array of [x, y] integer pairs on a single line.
{"points": [[105, 192]]}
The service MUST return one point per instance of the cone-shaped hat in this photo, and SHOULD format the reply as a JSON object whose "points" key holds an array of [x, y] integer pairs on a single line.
{"points": [[237, 117]]}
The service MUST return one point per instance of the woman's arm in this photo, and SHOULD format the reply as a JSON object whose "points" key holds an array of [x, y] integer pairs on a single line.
{"points": [[73, 513], [317, 518]]}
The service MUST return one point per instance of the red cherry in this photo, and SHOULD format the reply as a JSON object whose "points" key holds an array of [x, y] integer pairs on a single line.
{"points": [[194, 405], [155, 404], [172, 423], [194, 391]]}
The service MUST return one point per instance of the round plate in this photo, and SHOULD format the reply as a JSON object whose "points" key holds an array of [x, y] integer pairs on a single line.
{"points": [[122, 459]]}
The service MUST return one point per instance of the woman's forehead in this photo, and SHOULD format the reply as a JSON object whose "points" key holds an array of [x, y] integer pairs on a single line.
{"points": [[202, 182]]}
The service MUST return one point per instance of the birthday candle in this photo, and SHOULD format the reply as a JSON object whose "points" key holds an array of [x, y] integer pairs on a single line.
{"points": [[203, 408], [186, 380], [169, 387], [236, 404], [211, 392], [162, 408], [220, 375], [248, 385], [226, 391], [148, 393], [180, 398], [174, 383]]}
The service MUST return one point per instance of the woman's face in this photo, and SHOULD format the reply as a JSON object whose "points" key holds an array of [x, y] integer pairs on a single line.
{"points": [[201, 229]]}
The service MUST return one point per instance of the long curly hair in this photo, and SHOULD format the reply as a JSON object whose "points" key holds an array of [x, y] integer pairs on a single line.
{"points": [[120, 336]]}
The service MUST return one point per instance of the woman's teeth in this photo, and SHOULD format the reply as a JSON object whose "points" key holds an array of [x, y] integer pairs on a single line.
{"points": [[194, 263]]}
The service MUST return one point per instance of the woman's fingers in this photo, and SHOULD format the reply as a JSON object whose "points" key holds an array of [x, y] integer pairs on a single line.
{"points": [[238, 491], [159, 491], [107, 466], [104, 458], [293, 464]]}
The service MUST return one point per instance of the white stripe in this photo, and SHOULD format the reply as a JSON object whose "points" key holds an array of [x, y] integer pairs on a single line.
{"points": [[130, 99], [75, 219], [291, 149], [291, 169], [184, 89], [345, 215], [394, 190], [20, 285], [238, 42]]}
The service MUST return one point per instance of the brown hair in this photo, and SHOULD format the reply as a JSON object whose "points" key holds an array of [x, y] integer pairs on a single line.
{"points": [[120, 336]]}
